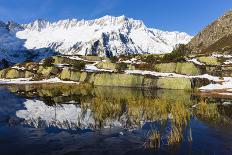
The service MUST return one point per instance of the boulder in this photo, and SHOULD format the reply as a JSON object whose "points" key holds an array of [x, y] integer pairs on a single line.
{"points": [[212, 61], [91, 58], [149, 82], [107, 65], [14, 74], [187, 68], [118, 80], [166, 67], [174, 83], [48, 71], [65, 74], [3, 73]]}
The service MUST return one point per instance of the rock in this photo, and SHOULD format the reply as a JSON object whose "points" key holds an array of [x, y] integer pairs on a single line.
{"points": [[75, 76], [187, 68], [150, 82], [14, 74], [215, 37], [174, 83], [65, 74], [118, 80], [166, 67], [107, 65], [209, 60], [3, 73], [28, 74], [91, 58], [198, 82], [48, 71]]}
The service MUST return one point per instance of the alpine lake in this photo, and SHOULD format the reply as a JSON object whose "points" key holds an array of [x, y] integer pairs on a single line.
{"points": [[82, 119]]}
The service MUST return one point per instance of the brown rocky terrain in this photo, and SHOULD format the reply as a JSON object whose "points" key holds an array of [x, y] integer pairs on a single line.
{"points": [[216, 37]]}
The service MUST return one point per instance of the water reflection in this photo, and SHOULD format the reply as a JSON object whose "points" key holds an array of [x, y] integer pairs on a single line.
{"points": [[158, 118]]}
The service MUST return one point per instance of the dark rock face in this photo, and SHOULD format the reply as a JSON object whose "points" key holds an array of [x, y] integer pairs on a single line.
{"points": [[216, 37]]}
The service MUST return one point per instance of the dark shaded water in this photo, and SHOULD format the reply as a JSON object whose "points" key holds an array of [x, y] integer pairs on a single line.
{"points": [[64, 119]]}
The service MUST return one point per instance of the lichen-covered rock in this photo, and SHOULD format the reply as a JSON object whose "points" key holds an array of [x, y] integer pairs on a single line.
{"points": [[149, 82], [187, 68], [91, 58], [14, 74], [209, 60], [166, 67], [65, 74], [118, 80], [174, 83], [28, 74], [107, 65], [3, 73], [83, 77], [75, 76], [48, 71]]}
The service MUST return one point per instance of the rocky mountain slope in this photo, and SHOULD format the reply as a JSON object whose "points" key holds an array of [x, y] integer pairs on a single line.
{"points": [[105, 36], [216, 37]]}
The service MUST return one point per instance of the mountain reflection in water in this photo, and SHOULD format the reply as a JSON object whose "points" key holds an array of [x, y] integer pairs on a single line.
{"points": [[109, 119]]}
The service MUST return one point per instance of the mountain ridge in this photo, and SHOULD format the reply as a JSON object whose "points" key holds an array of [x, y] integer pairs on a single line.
{"points": [[106, 36]]}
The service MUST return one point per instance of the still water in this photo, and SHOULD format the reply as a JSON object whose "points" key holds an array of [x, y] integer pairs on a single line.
{"points": [[66, 119]]}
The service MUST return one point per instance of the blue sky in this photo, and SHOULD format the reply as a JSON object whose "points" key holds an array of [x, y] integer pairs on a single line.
{"points": [[181, 15]]}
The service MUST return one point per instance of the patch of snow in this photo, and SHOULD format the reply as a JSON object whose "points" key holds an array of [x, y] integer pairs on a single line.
{"points": [[93, 68], [18, 68], [29, 81], [227, 62], [194, 60], [221, 55]]}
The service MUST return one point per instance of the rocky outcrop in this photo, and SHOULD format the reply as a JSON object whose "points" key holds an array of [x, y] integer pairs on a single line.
{"points": [[187, 68]]}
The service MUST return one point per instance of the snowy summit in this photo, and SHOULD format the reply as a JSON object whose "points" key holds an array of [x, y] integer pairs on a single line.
{"points": [[105, 36]]}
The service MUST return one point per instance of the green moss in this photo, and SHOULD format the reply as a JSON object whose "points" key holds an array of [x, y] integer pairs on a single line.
{"points": [[174, 83], [150, 82], [91, 58], [28, 74], [75, 76], [209, 60]]}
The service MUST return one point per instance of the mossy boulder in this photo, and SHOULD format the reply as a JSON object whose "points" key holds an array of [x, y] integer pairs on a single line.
{"points": [[91, 58], [14, 74], [209, 60], [72, 75], [149, 82], [28, 74], [107, 65], [3, 73], [48, 71], [174, 83], [187, 68], [166, 67], [65, 74], [118, 80]]}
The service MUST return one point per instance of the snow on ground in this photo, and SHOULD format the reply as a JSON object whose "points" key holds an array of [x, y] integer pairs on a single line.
{"points": [[18, 68], [221, 55], [227, 62], [195, 61], [28, 81], [93, 68]]}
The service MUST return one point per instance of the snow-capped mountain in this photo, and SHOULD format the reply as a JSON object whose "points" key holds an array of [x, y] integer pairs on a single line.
{"points": [[105, 36]]}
